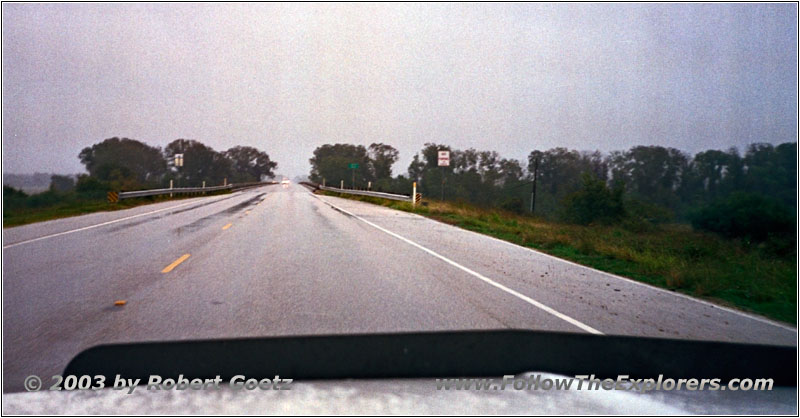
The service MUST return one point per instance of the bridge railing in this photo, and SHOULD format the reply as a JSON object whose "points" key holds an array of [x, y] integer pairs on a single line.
{"points": [[391, 196], [188, 190]]}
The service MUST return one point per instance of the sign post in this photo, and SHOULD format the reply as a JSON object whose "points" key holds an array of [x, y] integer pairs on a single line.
{"points": [[178, 165], [354, 167], [444, 161]]}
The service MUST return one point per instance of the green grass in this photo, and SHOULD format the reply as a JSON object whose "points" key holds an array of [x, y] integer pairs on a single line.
{"points": [[71, 205], [670, 256]]}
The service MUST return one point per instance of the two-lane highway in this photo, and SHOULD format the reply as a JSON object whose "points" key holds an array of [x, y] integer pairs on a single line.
{"points": [[281, 261]]}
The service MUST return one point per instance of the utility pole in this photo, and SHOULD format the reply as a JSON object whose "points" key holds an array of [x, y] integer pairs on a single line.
{"points": [[533, 191]]}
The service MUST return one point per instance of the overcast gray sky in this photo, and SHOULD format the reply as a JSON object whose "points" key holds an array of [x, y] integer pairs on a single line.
{"points": [[287, 78]]}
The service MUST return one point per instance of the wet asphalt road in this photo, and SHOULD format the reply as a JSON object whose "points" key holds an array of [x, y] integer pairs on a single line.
{"points": [[281, 261]]}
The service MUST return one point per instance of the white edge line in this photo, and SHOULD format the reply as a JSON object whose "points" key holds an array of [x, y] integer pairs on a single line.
{"points": [[659, 289], [94, 226], [612, 275], [513, 292]]}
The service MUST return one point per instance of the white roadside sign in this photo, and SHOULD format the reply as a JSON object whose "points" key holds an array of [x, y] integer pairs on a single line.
{"points": [[444, 158]]}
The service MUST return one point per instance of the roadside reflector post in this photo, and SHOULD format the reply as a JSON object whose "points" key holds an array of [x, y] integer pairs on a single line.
{"points": [[170, 186], [204, 186], [414, 195], [369, 185], [341, 185], [323, 182], [225, 181]]}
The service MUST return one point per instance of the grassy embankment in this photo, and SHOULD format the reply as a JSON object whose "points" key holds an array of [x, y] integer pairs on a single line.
{"points": [[671, 256], [67, 205]]}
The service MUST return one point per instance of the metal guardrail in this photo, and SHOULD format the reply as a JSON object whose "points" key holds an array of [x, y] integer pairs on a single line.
{"points": [[390, 196], [185, 190]]}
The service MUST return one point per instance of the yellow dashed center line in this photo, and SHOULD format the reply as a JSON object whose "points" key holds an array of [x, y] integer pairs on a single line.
{"points": [[226, 226], [175, 263]]}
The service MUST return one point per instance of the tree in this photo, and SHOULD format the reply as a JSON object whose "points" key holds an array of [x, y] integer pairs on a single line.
{"points": [[711, 174], [124, 160], [594, 202], [200, 163], [331, 162], [430, 180], [746, 215], [559, 173], [382, 158], [13, 198], [248, 164], [772, 171], [559, 170], [416, 168], [651, 173], [61, 184]]}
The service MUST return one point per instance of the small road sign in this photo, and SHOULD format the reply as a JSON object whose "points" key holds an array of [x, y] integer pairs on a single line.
{"points": [[444, 158], [417, 198], [113, 197], [353, 166]]}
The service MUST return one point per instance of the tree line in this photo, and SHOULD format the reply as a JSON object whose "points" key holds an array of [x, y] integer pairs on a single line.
{"points": [[127, 164], [652, 184]]}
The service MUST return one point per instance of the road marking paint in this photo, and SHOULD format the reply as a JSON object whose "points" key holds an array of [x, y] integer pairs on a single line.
{"points": [[120, 302], [95, 226], [614, 276], [226, 226], [175, 263], [508, 290], [631, 281]]}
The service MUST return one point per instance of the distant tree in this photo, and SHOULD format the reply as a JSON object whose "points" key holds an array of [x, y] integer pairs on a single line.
{"points": [[559, 173], [416, 168], [772, 171], [594, 202], [200, 163], [61, 184], [124, 161], [651, 173], [559, 170], [430, 155], [249, 164], [10, 192], [511, 172], [382, 158], [711, 174], [746, 215], [431, 175], [331, 162], [479, 177], [512, 204]]}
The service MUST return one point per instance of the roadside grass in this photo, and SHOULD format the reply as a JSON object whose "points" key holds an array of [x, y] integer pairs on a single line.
{"points": [[671, 256], [73, 205]]}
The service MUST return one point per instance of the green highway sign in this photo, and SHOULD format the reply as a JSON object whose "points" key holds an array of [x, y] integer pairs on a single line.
{"points": [[353, 166]]}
